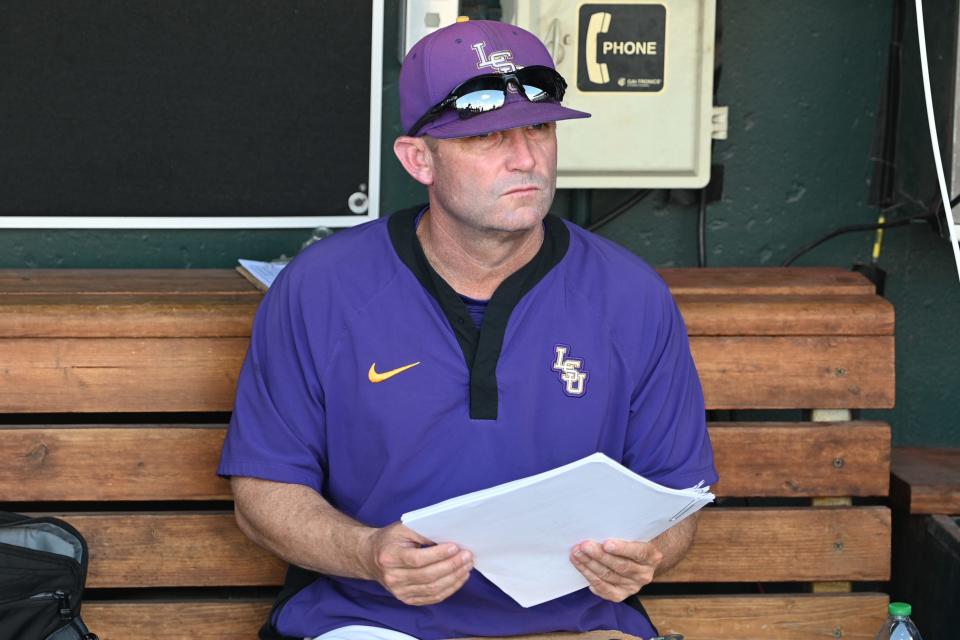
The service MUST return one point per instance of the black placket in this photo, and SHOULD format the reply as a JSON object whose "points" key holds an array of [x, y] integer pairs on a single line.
{"points": [[480, 346]]}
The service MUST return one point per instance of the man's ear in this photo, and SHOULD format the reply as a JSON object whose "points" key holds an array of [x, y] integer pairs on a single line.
{"points": [[415, 157]]}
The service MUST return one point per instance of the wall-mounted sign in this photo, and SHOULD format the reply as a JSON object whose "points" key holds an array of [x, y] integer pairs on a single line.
{"points": [[622, 47]]}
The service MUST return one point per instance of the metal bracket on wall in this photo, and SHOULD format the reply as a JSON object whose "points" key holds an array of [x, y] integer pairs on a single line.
{"points": [[720, 123]]}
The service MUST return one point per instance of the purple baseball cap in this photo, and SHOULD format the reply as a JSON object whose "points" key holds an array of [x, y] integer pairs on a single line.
{"points": [[444, 59]]}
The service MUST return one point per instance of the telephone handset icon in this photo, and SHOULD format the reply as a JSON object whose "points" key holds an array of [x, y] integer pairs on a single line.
{"points": [[597, 71]]}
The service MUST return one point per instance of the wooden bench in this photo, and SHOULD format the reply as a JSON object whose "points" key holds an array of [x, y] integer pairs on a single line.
{"points": [[925, 494], [115, 387], [925, 481]]}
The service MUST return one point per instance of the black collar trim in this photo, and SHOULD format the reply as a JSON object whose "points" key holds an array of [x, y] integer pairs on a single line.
{"points": [[481, 347]]}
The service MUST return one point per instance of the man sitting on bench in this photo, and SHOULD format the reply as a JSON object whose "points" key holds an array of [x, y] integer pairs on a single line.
{"points": [[449, 348]]}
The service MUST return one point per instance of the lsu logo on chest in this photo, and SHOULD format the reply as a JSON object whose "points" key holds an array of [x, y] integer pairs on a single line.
{"points": [[571, 372]]}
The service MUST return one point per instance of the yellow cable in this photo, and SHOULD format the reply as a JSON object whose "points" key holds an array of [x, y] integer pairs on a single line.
{"points": [[879, 240]]}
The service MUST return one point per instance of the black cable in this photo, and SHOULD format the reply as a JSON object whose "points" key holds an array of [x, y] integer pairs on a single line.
{"points": [[702, 230], [621, 209], [857, 227], [884, 152]]}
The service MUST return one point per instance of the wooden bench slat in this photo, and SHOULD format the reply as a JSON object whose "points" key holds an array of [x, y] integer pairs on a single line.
{"points": [[199, 374], [119, 302], [178, 462], [189, 315], [128, 316], [158, 462], [601, 634], [792, 372], [761, 617], [173, 550], [712, 281], [79, 282], [857, 616], [767, 280], [926, 481], [801, 459], [90, 375], [732, 545], [176, 620], [786, 545], [746, 315]]}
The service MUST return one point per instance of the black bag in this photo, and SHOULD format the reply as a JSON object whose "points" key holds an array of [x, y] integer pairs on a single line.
{"points": [[43, 567]]}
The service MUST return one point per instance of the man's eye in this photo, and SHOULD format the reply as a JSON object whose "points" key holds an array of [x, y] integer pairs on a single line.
{"points": [[541, 127], [488, 138]]}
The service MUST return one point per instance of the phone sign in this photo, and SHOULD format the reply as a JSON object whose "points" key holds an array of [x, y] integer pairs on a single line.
{"points": [[621, 47]]}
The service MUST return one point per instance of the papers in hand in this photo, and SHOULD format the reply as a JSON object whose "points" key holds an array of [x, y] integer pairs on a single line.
{"points": [[261, 274], [521, 532]]}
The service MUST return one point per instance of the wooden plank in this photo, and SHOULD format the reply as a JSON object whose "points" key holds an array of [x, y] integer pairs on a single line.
{"points": [[177, 462], [740, 617], [192, 315], [732, 545], [926, 481], [78, 282], [712, 281], [793, 315], [786, 545], [173, 550], [149, 462], [199, 374], [119, 375], [175, 620], [801, 460], [127, 316], [608, 634], [767, 281], [855, 616], [796, 372]]}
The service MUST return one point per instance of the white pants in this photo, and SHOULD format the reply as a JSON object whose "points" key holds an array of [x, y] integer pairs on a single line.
{"points": [[363, 632]]}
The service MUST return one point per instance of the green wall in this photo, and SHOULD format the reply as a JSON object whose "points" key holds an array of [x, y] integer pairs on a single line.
{"points": [[803, 81]]}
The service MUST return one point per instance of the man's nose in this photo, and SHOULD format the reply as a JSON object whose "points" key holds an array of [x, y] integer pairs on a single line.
{"points": [[519, 151]]}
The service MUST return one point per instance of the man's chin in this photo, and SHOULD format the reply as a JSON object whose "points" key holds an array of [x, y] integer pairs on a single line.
{"points": [[524, 218]]}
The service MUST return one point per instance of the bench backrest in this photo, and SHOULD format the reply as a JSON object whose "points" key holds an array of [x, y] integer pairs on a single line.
{"points": [[149, 346]]}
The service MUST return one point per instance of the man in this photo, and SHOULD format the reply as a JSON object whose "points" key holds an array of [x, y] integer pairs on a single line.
{"points": [[450, 348]]}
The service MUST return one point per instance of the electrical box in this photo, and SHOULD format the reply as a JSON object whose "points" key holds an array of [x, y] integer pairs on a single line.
{"points": [[645, 72]]}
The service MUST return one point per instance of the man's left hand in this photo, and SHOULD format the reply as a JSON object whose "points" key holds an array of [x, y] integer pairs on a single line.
{"points": [[616, 569]]}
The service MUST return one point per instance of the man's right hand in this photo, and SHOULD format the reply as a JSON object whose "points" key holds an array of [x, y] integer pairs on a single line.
{"points": [[414, 569]]}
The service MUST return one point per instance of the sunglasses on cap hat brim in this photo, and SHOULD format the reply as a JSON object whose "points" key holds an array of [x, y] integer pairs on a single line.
{"points": [[488, 92]]}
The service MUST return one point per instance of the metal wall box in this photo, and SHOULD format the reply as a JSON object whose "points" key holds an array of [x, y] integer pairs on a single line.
{"points": [[645, 72]]}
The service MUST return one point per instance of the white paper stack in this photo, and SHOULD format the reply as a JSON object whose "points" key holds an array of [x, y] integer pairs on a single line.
{"points": [[262, 274], [521, 532]]}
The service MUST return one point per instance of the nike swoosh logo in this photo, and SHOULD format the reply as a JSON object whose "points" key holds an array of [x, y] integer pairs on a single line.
{"points": [[375, 377]]}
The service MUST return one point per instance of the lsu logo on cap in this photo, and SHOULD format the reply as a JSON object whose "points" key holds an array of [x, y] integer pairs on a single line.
{"points": [[498, 60], [573, 378]]}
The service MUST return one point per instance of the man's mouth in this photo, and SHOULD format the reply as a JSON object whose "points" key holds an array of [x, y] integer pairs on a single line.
{"points": [[519, 190]]}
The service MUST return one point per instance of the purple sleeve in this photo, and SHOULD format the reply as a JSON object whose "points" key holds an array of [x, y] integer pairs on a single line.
{"points": [[278, 423], [667, 439]]}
